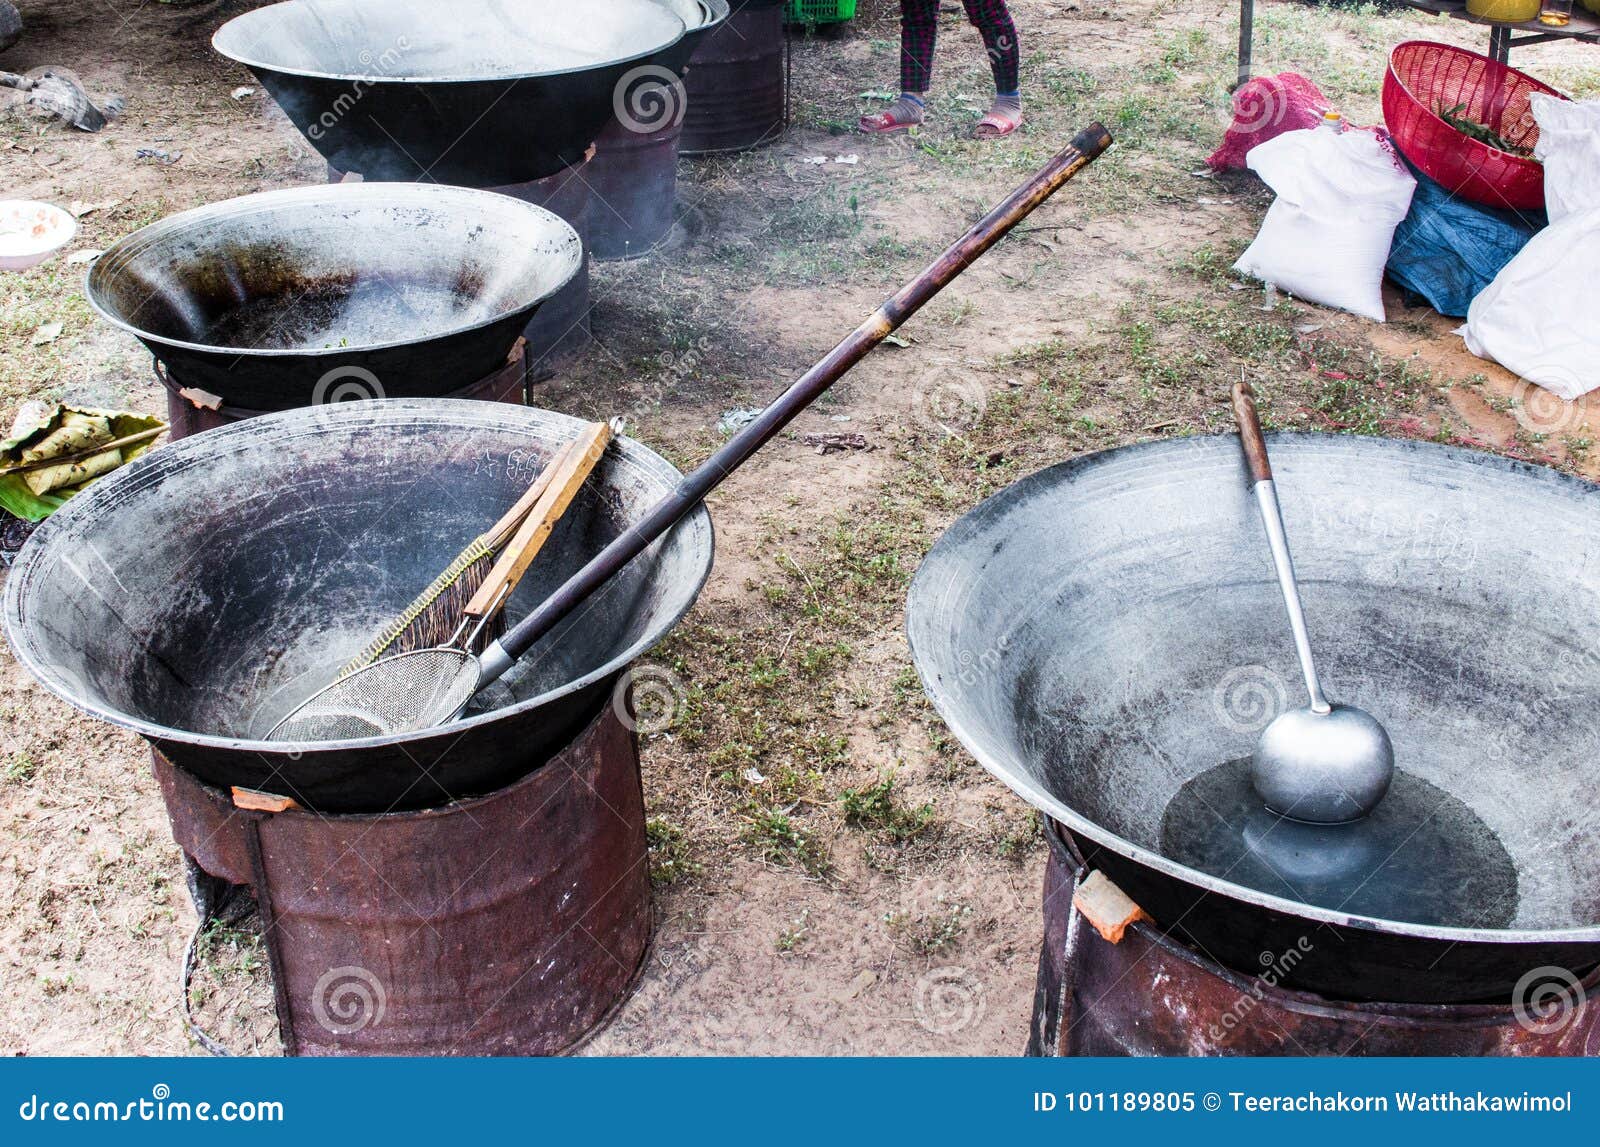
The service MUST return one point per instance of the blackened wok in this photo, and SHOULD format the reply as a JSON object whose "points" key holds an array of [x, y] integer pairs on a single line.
{"points": [[314, 294], [474, 93], [200, 593]]}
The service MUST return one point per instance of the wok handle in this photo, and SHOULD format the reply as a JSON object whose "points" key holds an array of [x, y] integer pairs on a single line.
{"points": [[1085, 147], [1250, 439]]}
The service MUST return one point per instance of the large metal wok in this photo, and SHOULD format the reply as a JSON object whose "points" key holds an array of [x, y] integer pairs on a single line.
{"points": [[200, 593], [282, 298], [1106, 631], [477, 93]]}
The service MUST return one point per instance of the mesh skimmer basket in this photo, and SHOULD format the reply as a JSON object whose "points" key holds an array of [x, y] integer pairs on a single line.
{"points": [[1425, 79]]}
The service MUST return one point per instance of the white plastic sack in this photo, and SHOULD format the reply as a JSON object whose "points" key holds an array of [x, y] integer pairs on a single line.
{"points": [[1569, 148], [1537, 318], [1326, 236]]}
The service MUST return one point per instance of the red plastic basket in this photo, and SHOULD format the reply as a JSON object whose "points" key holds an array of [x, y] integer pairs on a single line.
{"points": [[1425, 78]]}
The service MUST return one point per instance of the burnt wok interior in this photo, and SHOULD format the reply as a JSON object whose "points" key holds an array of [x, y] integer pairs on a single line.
{"points": [[321, 269]]}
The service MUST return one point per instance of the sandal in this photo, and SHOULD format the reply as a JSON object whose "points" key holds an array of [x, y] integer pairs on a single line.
{"points": [[879, 122], [996, 125]]}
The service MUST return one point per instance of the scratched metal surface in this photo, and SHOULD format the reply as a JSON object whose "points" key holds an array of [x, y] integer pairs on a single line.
{"points": [[1109, 628]]}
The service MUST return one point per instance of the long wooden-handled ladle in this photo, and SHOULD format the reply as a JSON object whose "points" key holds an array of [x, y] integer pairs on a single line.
{"points": [[428, 687], [1324, 764]]}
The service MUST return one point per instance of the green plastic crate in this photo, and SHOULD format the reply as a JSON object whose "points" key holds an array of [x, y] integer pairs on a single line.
{"points": [[820, 11]]}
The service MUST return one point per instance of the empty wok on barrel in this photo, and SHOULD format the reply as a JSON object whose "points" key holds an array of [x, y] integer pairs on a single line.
{"points": [[202, 592], [1107, 633], [286, 298], [479, 94]]}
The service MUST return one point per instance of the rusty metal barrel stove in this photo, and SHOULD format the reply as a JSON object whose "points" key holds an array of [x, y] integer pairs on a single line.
{"points": [[737, 87], [483, 882], [634, 172], [191, 410], [1150, 995], [508, 924]]}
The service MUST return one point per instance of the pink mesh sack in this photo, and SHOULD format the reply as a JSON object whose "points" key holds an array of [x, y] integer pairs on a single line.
{"points": [[1265, 107]]}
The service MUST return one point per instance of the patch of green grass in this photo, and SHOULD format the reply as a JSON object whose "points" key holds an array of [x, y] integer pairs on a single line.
{"points": [[932, 933], [781, 842], [793, 936], [876, 807], [669, 852], [21, 768]]}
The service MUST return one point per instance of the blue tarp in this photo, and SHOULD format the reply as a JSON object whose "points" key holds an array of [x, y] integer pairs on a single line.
{"points": [[1447, 249]]}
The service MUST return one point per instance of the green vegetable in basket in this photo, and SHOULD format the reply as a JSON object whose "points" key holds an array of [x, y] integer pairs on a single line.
{"points": [[1456, 117]]}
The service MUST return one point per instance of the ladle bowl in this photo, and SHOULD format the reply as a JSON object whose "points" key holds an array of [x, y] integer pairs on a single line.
{"points": [[1110, 630]]}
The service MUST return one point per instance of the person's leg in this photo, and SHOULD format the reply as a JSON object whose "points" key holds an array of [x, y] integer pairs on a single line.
{"points": [[919, 24], [993, 20]]}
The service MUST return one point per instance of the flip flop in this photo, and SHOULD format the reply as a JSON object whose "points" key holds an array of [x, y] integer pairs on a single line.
{"points": [[995, 126], [880, 122]]}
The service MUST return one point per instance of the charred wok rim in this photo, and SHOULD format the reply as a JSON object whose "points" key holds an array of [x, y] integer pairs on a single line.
{"points": [[1201, 882], [117, 255], [508, 78], [149, 470]]}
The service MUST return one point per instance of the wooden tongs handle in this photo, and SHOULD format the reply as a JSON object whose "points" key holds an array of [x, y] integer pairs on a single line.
{"points": [[570, 472]]}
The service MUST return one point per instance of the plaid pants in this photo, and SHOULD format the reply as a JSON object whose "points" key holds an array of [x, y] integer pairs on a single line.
{"points": [[919, 24]]}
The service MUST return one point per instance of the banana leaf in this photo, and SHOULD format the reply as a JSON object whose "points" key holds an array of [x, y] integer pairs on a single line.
{"points": [[43, 431]]}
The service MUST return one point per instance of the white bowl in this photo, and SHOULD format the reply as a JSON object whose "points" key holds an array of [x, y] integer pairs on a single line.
{"points": [[31, 231]]}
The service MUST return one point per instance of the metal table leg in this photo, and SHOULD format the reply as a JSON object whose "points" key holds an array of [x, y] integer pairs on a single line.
{"points": [[1247, 20], [1500, 45]]}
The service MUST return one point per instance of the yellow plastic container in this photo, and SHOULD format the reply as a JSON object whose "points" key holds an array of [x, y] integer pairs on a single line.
{"points": [[1505, 11]]}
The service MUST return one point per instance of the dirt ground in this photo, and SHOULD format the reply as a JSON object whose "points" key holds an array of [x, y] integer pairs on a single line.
{"points": [[834, 875]]}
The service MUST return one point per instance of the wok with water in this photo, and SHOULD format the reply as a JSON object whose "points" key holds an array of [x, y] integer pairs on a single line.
{"points": [[1106, 638]]}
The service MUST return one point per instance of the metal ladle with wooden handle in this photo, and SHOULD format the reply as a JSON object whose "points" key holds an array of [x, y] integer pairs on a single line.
{"points": [[1324, 764]]}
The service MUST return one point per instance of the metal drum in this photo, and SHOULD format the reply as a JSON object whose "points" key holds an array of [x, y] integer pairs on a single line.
{"points": [[190, 411], [1149, 995], [737, 90], [512, 924]]}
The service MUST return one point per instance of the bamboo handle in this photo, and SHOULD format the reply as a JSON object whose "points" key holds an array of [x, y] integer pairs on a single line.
{"points": [[1250, 439], [581, 457], [1084, 148]]}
